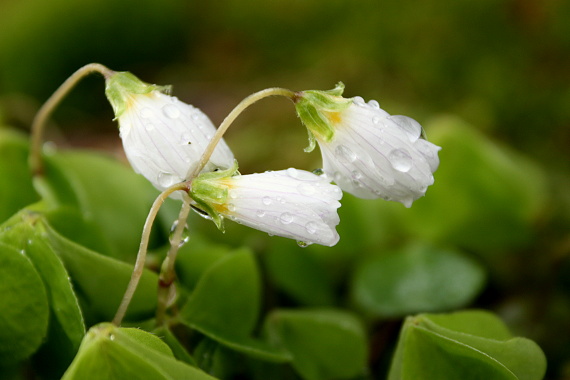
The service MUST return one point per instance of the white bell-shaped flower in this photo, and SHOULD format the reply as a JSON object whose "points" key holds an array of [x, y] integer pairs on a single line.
{"points": [[366, 151], [163, 138], [292, 203]]}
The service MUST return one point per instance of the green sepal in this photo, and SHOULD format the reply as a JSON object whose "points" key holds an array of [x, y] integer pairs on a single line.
{"points": [[312, 107], [206, 192], [121, 85]]}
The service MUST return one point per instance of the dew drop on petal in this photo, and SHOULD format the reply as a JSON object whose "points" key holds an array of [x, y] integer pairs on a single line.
{"points": [[171, 111], [356, 174], [196, 115], [266, 200], [357, 100], [260, 213], [232, 193], [306, 188], [344, 154], [400, 160], [303, 244], [231, 207], [149, 126], [165, 179], [318, 172], [376, 120], [311, 227], [286, 218], [292, 172], [374, 104]]}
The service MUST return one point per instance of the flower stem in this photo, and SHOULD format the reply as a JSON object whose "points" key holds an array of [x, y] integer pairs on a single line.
{"points": [[38, 125], [275, 91], [143, 247], [167, 273]]}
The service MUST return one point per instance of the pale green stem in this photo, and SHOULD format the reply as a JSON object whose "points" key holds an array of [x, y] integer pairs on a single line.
{"points": [[276, 91], [167, 273], [38, 125], [143, 247]]}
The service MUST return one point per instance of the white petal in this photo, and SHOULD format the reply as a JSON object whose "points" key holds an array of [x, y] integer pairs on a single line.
{"points": [[291, 203], [376, 155], [164, 138]]}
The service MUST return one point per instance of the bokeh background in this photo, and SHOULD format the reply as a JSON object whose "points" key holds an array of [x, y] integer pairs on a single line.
{"points": [[489, 80]]}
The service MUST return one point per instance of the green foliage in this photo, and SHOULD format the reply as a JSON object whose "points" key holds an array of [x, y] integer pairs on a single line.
{"points": [[24, 305], [109, 352], [464, 345], [416, 278]]}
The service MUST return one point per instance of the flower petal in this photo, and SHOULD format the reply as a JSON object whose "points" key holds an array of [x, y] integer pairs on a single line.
{"points": [[164, 138], [291, 203], [376, 155]]}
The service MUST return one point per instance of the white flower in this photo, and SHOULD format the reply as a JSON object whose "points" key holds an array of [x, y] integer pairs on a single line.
{"points": [[163, 138], [366, 151], [292, 203]]}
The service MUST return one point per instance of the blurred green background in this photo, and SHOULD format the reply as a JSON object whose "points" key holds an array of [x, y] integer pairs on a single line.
{"points": [[489, 80]]}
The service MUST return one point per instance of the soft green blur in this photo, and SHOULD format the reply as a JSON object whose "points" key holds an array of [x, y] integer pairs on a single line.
{"points": [[489, 80]]}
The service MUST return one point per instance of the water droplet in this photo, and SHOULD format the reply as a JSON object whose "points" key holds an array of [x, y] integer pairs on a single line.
{"points": [[266, 200], [303, 244], [184, 240], [196, 115], [400, 160], [318, 172], [374, 104], [344, 154], [292, 172], [260, 213], [231, 207], [171, 111], [357, 100], [376, 120], [356, 174], [149, 126], [232, 193], [286, 218], [311, 227], [306, 189], [166, 179], [411, 127], [146, 113], [112, 337]]}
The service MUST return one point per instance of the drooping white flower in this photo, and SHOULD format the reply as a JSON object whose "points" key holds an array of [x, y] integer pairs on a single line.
{"points": [[163, 138], [366, 151], [292, 203]]}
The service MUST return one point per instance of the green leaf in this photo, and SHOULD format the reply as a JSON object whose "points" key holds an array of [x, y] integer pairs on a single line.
{"points": [[464, 345], [416, 278], [102, 280], [299, 274], [485, 196], [66, 325], [175, 345], [109, 196], [225, 306], [325, 344], [16, 189], [23, 306], [113, 353]]}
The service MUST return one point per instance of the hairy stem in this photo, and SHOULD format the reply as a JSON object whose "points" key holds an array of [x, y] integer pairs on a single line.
{"points": [[275, 91], [167, 273], [143, 247], [38, 125]]}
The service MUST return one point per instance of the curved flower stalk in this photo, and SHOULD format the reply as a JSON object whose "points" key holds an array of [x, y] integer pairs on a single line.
{"points": [[292, 203], [163, 138], [365, 150]]}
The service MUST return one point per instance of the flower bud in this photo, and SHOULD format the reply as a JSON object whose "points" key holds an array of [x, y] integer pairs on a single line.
{"points": [[291, 203], [366, 151], [163, 138]]}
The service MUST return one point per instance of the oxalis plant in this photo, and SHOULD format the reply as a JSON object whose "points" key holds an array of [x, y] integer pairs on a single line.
{"points": [[202, 316]]}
